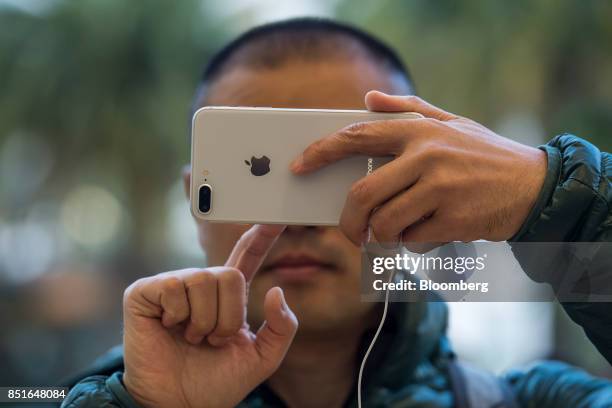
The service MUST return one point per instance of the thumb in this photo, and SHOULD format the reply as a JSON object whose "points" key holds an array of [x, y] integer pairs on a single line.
{"points": [[381, 102], [276, 334]]}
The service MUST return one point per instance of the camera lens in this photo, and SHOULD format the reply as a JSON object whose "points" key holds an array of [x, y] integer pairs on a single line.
{"points": [[204, 198]]}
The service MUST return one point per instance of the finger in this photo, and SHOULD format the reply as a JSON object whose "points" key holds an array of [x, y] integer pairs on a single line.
{"points": [[373, 190], [401, 212], [168, 293], [422, 247], [381, 102], [276, 334], [252, 248], [202, 295], [231, 303], [432, 230], [375, 138]]}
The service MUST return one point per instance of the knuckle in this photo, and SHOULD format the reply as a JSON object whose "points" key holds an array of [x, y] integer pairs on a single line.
{"points": [[441, 184], [413, 101], [428, 128], [381, 225], [431, 121], [203, 277], [434, 153], [360, 193], [353, 135], [128, 293], [172, 284], [131, 290], [419, 156], [353, 131], [232, 276]]}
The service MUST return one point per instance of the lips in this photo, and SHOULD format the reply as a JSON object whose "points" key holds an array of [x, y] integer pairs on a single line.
{"points": [[298, 267]]}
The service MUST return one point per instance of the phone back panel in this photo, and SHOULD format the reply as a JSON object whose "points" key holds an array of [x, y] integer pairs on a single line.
{"points": [[229, 145]]}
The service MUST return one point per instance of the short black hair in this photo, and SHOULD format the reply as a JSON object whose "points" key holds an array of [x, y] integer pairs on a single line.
{"points": [[270, 45]]}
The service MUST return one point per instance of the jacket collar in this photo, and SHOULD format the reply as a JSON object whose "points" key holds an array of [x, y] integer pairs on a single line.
{"points": [[411, 350]]}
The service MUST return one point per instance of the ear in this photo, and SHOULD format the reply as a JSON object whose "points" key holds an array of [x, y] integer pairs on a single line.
{"points": [[187, 179]]}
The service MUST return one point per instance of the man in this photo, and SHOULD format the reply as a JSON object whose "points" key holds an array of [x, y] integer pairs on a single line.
{"points": [[188, 340]]}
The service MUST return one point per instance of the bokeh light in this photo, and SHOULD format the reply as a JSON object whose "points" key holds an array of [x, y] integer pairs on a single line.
{"points": [[91, 216]]}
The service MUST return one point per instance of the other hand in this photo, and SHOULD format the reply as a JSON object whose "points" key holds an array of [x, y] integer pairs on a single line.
{"points": [[451, 179], [186, 340]]}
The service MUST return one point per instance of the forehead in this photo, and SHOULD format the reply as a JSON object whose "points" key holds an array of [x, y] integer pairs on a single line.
{"points": [[340, 84]]}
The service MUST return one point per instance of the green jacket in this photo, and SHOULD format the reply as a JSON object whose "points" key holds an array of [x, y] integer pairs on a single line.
{"points": [[411, 364]]}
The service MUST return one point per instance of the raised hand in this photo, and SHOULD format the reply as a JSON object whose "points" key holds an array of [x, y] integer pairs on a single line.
{"points": [[186, 340]]}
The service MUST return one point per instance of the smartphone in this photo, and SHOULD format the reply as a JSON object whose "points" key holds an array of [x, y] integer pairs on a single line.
{"points": [[240, 165]]}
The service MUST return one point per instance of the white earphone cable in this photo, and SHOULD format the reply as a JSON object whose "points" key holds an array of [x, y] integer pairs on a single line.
{"points": [[371, 346]]}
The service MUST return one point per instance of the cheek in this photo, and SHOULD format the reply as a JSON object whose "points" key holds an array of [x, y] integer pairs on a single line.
{"points": [[218, 240], [351, 252]]}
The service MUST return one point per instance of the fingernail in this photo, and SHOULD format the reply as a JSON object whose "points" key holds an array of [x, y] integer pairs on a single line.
{"points": [[284, 305], [365, 236], [297, 163]]}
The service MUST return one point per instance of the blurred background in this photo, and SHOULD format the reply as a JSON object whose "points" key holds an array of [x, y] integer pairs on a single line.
{"points": [[94, 102]]}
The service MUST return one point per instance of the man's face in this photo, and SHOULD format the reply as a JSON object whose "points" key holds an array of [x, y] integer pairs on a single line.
{"points": [[317, 267]]}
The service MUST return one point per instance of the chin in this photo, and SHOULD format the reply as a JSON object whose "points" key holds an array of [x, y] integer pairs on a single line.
{"points": [[329, 303], [321, 310]]}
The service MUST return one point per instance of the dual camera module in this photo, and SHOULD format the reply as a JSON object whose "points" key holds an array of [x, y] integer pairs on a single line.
{"points": [[204, 198]]}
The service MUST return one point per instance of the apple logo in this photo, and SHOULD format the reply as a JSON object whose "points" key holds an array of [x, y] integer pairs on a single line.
{"points": [[259, 166]]}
